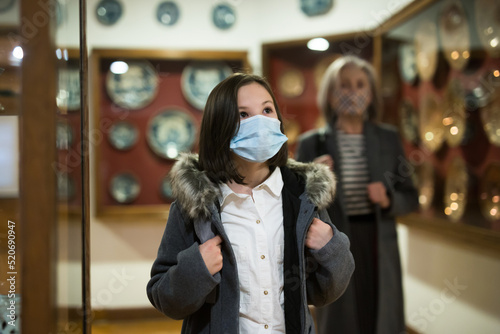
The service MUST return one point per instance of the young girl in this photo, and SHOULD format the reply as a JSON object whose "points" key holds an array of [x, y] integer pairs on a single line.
{"points": [[374, 187], [248, 244]]}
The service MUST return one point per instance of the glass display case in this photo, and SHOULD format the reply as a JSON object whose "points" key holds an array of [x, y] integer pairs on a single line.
{"points": [[440, 66]]}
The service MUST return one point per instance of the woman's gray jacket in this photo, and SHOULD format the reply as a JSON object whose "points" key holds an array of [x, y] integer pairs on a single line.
{"points": [[387, 163], [181, 286]]}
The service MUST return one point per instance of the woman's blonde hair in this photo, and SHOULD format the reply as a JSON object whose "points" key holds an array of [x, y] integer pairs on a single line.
{"points": [[329, 83]]}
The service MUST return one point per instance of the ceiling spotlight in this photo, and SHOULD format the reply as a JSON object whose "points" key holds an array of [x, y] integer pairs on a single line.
{"points": [[318, 44]]}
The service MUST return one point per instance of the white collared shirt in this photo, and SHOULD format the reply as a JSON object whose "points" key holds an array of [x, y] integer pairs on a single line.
{"points": [[255, 229]]}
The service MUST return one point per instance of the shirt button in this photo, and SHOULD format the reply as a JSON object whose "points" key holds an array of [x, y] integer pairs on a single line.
{"points": [[265, 292], [262, 257], [258, 221], [266, 326]]}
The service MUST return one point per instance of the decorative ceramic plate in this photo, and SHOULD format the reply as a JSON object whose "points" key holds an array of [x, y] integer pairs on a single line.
{"points": [[134, 89], [223, 16], [167, 13], [489, 192], [488, 25], [454, 116], [408, 119], [490, 117], [123, 135], [166, 189], [486, 89], [426, 49], [65, 187], [124, 188], [425, 184], [431, 129], [291, 83], [454, 34], [488, 94], [64, 136], [456, 189], [315, 7], [6, 5], [407, 63], [199, 78], [68, 95], [171, 132], [108, 12]]}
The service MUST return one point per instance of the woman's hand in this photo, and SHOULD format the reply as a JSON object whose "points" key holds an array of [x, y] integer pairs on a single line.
{"points": [[325, 159], [377, 193], [318, 235], [212, 255]]}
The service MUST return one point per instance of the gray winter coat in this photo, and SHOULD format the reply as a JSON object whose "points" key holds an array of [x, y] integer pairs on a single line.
{"points": [[181, 286], [387, 164]]}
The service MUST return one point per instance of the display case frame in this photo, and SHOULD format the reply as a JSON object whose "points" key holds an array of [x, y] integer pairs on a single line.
{"points": [[170, 65]]}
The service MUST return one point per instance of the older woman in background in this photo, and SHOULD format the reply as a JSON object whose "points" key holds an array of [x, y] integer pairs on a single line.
{"points": [[374, 188]]}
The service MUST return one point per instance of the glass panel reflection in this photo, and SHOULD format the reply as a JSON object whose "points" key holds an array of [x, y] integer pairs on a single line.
{"points": [[69, 169]]}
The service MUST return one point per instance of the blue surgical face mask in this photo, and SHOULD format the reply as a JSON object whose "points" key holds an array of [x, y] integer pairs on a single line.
{"points": [[258, 139]]}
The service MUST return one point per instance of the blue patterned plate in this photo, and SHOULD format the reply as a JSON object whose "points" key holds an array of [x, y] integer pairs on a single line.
{"points": [[64, 136], [166, 189], [134, 89], [167, 13], [223, 16], [124, 187], [108, 12], [68, 95], [6, 5], [65, 186], [171, 132], [315, 7], [123, 135], [199, 78]]}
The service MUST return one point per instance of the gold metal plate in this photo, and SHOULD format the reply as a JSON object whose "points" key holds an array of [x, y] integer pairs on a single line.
{"points": [[291, 83], [456, 189], [454, 33], [454, 115], [489, 192], [431, 122], [426, 49]]}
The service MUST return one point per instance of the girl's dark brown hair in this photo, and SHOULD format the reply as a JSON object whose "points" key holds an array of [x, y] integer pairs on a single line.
{"points": [[221, 120]]}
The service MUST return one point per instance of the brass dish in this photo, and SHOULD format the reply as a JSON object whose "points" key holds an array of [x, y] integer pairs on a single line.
{"points": [[425, 184], [454, 115], [408, 121], [431, 128], [426, 49], [489, 92], [488, 25], [456, 189], [489, 192], [291, 83], [454, 34]]}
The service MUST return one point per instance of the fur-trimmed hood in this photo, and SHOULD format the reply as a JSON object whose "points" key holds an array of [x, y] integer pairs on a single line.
{"points": [[195, 193]]}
